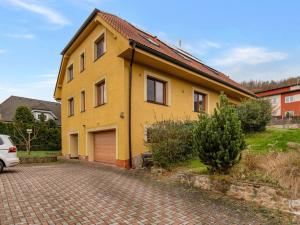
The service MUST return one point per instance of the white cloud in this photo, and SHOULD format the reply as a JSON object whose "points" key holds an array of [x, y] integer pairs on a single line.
{"points": [[21, 36], [249, 55], [2, 50], [41, 87], [200, 47], [50, 14]]}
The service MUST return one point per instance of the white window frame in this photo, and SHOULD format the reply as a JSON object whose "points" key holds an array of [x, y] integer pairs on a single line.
{"points": [[202, 91], [67, 72], [82, 110], [82, 52], [69, 115], [289, 99], [162, 78], [103, 78], [102, 32]]}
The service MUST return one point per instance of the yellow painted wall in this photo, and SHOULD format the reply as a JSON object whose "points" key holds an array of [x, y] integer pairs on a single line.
{"points": [[110, 67], [115, 70], [180, 105]]}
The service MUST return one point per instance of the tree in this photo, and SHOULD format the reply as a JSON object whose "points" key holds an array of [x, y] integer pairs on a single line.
{"points": [[255, 114], [22, 121], [219, 139]]}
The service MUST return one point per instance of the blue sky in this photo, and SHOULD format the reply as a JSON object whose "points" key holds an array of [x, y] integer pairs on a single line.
{"points": [[244, 39]]}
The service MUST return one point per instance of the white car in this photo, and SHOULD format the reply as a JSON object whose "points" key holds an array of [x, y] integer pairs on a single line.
{"points": [[8, 153]]}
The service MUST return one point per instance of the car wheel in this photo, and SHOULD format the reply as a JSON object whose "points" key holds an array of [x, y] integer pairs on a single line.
{"points": [[1, 166]]}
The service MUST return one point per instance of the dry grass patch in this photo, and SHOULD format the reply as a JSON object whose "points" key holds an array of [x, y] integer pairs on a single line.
{"points": [[284, 167], [277, 168]]}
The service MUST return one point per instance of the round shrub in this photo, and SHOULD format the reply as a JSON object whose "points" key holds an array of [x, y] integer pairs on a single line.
{"points": [[170, 142], [255, 114]]}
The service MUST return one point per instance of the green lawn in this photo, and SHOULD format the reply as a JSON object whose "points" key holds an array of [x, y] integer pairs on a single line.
{"points": [[257, 143], [38, 153], [272, 140]]}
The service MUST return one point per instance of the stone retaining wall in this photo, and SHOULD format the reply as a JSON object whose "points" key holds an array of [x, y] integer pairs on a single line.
{"points": [[46, 159], [263, 194]]}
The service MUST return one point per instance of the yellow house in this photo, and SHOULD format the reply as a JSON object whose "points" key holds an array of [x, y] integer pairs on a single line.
{"points": [[116, 79]]}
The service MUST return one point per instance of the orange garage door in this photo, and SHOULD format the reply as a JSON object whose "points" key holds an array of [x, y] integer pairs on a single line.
{"points": [[105, 146]]}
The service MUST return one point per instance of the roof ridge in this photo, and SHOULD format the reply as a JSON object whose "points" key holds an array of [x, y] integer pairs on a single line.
{"points": [[134, 26], [40, 100], [134, 33]]}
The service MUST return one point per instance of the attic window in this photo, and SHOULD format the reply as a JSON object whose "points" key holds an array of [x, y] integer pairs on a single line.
{"points": [[150, 40]]}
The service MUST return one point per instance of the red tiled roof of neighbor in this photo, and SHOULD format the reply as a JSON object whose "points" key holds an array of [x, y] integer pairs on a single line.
{"points": [[137, 35]]}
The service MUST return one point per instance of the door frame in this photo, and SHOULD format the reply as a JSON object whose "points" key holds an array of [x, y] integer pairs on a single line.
{"points": [[90, 151], [70, 136]]}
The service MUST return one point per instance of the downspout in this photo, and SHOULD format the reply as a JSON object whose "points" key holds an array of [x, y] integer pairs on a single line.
{"points": [[132, 44]]}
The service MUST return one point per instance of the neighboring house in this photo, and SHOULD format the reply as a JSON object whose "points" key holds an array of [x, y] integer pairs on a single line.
{"points": [[8, 108], [285, 100], [115, 80]]}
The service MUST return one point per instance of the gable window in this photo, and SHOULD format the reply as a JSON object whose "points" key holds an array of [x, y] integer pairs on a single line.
{"points": [[156, 91], [71, 106], [289, 99], [199, 102], [82, 62], [100, 92], [82, 101], [99, 47], [70, 73]]}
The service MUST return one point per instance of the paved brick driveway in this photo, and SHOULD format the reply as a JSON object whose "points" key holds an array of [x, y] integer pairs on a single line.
{"points": [[82, 193]]}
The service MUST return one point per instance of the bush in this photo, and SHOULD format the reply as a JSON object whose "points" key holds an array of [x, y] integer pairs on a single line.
{"points": [[170, 142], [48, 135], [255, 114], [219, 139]]}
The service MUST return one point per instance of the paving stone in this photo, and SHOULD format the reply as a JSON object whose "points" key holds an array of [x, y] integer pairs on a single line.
{"points": [[83, 193]]}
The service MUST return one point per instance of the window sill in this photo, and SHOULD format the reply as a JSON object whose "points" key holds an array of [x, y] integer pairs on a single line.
{"points": [[96, 106], [69, 80], [95, 59], [157, 103], [82, 111], [70, 115], [81, 71]]}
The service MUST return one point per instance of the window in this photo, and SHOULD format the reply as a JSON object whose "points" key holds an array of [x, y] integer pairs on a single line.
{"points": [[71, 106], [70, 73], [289, 99], [148, 135], [156, 91], [100, 92], [289, 114], [199, 102], [99, 47], [82, 101], [82, 62], [1, 142]]}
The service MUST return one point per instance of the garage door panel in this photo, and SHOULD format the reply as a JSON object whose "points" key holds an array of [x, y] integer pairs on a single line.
{"points": [[105, 146]]}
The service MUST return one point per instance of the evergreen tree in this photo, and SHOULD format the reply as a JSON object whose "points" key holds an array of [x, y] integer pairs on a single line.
{"points": [[219, 139]]}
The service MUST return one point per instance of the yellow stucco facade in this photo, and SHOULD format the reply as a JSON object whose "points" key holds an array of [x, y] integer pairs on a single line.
{"points": [[113, 67]]}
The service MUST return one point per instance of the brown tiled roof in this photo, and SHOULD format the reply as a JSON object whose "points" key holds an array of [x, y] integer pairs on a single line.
{"points": [[10, 105], [139, 36]]}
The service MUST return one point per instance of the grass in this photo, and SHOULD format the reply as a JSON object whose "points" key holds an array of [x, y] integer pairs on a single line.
{"points": [[38, 153], [257, 143], [272, 140], [195, 166]]}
